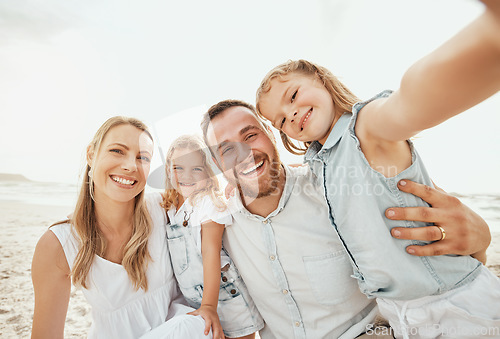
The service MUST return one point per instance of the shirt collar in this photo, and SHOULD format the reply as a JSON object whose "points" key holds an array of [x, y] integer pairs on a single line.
{"points": [[334, 137]]}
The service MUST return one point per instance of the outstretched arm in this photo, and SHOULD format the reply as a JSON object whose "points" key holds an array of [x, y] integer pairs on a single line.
{"points": [[458, 75], [52, 285], [466, 232]]}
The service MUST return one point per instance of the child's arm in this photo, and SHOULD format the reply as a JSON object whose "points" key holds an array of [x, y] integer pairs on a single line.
{"points": [[211, 243], [52, 285], [458, 75]]}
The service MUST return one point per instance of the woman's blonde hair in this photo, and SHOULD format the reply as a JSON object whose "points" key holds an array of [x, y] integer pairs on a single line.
{"points": [[196, 144], [343, 99], [92, 242]]}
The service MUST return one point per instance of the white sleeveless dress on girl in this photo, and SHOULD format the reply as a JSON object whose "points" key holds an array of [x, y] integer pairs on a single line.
{"points": [[119, 310]]}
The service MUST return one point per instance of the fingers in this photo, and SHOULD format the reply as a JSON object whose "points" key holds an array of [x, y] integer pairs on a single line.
{"points": [[436, 248], [425, 214], [217, 332], [438, 188], [208, 325], [428, 233], [229, 190], [423, 191], [431, 195]]}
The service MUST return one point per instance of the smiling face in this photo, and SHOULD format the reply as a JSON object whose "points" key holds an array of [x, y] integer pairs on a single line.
{"points": [[244, 152], [121, 165], [187, 172], [300, 106]]}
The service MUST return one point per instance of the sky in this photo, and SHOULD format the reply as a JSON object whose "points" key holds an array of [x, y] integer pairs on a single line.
{"points": [[67, 66]]}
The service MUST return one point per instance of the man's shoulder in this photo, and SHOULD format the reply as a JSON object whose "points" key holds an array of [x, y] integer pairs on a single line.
{"points": [[299, 174]]}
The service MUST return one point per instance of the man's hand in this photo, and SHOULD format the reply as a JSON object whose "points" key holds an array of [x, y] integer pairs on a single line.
{"points": [[466, 232]]}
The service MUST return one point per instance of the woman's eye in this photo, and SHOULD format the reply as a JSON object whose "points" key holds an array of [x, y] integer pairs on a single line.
{"points": [[198, 169], [226, 150], [282, 123], [115, 150], [294, 95], [144, 158]]}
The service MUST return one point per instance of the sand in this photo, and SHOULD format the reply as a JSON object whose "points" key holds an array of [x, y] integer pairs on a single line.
{"points": [[21, 225]]}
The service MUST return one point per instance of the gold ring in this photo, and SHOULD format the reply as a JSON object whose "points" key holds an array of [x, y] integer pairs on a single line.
{"points": [[443, 233]]}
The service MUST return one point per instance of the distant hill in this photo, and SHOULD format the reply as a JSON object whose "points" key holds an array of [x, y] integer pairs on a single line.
{"points": [[13, 177]]}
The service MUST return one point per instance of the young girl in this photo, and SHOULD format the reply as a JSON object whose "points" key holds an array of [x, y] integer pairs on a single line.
{"points": [[198, 215], [359, 154], [113, 247]]}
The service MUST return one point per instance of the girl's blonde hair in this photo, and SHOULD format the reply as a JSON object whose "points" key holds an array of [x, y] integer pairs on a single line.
{"points": [[343, 99], [92, 242], [196, 144]]}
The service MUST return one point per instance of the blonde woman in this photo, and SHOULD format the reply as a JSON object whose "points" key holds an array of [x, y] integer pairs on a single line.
{"points": [[113, 247]]}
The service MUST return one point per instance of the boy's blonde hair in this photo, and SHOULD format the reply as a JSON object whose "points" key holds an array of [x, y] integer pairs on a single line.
{"points": [[196, 144], [84, 222], [343, 99]]}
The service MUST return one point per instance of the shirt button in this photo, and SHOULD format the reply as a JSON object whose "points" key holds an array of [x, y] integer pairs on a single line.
{"points": [[297, 324], [285, 291], [265, 221], [233, 291], [272, 257], [224, 279]]}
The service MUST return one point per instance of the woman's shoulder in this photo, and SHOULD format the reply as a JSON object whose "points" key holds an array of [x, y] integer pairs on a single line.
{"points": [[62, 230], [49, 250]]}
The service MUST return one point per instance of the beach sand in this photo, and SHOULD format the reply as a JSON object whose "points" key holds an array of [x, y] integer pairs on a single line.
{"points": [[21, 225]]}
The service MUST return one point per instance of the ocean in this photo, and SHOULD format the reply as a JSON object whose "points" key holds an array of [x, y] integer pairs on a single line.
{"points": [[60, 194]]}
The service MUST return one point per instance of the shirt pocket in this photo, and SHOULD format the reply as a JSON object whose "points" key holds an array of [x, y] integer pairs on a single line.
{"points": [[178, 254], [330, 277]]}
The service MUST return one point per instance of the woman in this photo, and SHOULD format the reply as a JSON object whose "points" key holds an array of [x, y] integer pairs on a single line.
{"points": [[113, 247]]}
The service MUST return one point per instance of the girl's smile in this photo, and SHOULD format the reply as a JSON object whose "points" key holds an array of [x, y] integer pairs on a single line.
{"points": [[188, 174]]}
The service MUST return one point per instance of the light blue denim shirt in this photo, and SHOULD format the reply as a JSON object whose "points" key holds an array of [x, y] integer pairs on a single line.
{"points": [[358, 196], [295, 266]]}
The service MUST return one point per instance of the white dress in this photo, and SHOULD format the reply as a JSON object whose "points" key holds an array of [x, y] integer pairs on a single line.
{"points": [[120, 311]]}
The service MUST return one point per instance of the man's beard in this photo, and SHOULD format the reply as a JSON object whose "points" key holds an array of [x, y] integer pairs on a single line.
{"points": [[256, 189]]}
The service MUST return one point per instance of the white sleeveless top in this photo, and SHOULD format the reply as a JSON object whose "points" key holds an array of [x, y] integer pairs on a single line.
{"points": [[118, 310]]}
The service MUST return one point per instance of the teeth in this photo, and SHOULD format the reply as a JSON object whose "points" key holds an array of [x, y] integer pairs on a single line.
{"points": [[123, 181], [253, 168], [307, 117], [189, 185]]}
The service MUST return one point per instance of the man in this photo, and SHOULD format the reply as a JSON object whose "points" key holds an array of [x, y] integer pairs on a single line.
{"points": [[283, 244]]}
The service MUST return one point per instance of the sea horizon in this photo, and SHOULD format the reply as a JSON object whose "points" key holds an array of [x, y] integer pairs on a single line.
{"points": [[18, 188]]}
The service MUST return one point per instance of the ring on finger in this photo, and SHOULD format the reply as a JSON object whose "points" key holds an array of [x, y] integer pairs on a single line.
{"points": [[443, 233]]}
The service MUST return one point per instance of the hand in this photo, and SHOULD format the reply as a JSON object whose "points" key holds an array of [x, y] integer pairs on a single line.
{"points": [[230, 190], [466, 232], [209, 314]]}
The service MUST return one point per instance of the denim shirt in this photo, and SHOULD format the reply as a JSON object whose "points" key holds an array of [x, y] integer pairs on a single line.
{"points": [[357, 197], [295, 267]]}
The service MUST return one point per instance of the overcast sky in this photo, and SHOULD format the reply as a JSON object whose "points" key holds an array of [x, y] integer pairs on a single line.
{"points": [[67, 66]]}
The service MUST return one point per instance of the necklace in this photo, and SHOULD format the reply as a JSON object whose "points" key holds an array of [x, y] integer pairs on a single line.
{"points": [[186, 218]]}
